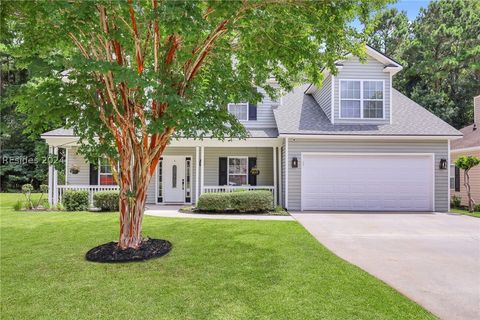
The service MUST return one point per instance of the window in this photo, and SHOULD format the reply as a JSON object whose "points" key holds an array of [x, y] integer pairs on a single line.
{"points": [[454, 178], [105, 173], [239, 110], [361, 99], [237, 171]]}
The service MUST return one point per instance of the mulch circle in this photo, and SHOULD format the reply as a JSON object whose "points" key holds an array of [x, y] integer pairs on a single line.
{"points": [[111, 253]]}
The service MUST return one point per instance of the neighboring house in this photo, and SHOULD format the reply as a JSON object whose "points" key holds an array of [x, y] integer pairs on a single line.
{"points": [[354, 143], [469, 145]]}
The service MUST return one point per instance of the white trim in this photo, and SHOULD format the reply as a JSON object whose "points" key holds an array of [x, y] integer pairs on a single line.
{"points": [[391, 106], [286, 173], [465, 149], [280, 188], [362, 100], [235, 142], [202, 167], [448, 168], [364, 137], [50, 177], [197, 166], [66, 166], [247, 104], [275, 174], [55, 177], [228, 171], [156, 180], [425, 154], [332, 104]]}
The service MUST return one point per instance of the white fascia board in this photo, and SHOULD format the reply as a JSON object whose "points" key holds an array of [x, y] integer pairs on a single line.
{"points": [[61, 141], [365, 137], [465, 149], [249, 142]]}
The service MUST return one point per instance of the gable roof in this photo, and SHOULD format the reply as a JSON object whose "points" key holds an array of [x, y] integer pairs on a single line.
{"points": [[300, 114], [471, 138], [60, 132]]}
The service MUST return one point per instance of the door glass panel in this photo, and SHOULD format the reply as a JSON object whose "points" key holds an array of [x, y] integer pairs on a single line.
{"points": [[174, 176]]}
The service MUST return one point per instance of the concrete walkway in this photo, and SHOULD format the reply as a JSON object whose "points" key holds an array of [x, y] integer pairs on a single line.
{"points": [[171, 211], [434, 259]]}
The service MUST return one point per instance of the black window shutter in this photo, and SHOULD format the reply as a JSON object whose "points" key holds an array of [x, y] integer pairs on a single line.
{"points": [[252, 179], [252, 111], [457, 179], [93, 175], [222, 171]]}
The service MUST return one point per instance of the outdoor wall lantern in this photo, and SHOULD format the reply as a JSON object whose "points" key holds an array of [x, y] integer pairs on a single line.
{"points": [[443, 163], [294, 162]]}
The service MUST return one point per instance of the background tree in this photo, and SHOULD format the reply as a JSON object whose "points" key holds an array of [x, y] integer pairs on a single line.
{"points": [[391, 32], [466, 163], [440, 54], [130, 77]]}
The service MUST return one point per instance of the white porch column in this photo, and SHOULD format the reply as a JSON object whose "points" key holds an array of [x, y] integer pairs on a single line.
{"points": [[197, 161], [286, 173], [275, 175], [55, 177], [202, 166], [50, 176], [280, 188]]}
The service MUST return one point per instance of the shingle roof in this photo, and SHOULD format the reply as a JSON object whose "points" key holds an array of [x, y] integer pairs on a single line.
{"points": [[300, 114], [253, 133], [60, 132], [471, 138]]}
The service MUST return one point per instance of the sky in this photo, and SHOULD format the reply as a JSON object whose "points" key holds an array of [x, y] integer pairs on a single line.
{"points": [[412, 7]]}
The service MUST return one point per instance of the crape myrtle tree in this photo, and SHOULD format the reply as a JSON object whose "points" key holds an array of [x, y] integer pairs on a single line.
{"points": [[128, 76], [466, 163]]}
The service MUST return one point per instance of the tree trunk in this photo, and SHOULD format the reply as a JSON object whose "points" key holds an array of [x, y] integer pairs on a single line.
{"points": [[133, 195], [471, 203]]}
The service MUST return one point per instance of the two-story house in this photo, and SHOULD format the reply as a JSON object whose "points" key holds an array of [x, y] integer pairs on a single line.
{"points": [[354, 143]]}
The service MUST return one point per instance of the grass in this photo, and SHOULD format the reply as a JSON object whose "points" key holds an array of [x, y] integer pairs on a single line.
{"points": [[218, 269], [475, 214]]}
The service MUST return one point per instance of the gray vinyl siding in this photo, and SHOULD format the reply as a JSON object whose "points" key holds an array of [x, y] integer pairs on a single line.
{"points": [[438, 148], [265, 118], [323, 96], [75, 159], [173, 151], [355, 70], [264, 157]]}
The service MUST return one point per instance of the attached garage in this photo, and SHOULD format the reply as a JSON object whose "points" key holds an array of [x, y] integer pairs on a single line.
{"points": [[367, 182]]}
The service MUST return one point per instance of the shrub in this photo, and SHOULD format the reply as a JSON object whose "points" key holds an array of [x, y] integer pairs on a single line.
{"points": [[456, 201], [214, 202], [251, 201], [246, 201], [75, 200], [477, 208], [106, 200], [18, 205]]}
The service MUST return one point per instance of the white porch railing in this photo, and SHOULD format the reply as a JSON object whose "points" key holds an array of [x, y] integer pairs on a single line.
{"points": [[210, 189], [91, 190]]}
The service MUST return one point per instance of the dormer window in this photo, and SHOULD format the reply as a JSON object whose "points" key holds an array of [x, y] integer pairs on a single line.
{"points": [[239, 110], [361, 99]]}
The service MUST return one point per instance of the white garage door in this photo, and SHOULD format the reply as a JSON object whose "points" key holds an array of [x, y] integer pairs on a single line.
{"points": [[367, 182]]}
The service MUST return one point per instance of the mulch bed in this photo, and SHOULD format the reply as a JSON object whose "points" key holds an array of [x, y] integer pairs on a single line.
{"points": [[111, 253]]}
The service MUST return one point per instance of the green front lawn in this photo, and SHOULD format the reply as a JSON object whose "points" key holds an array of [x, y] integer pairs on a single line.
{"points": [[218, 269], [465, 212]]}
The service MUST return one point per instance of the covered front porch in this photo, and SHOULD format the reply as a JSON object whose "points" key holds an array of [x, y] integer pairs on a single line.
{"points": [[187, 169]]}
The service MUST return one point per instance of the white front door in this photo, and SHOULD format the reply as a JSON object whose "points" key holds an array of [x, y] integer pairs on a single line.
{"points": [[174, 179]]}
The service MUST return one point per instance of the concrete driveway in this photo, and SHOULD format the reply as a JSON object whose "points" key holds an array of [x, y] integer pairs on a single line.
{"points": [[432, 258]]}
